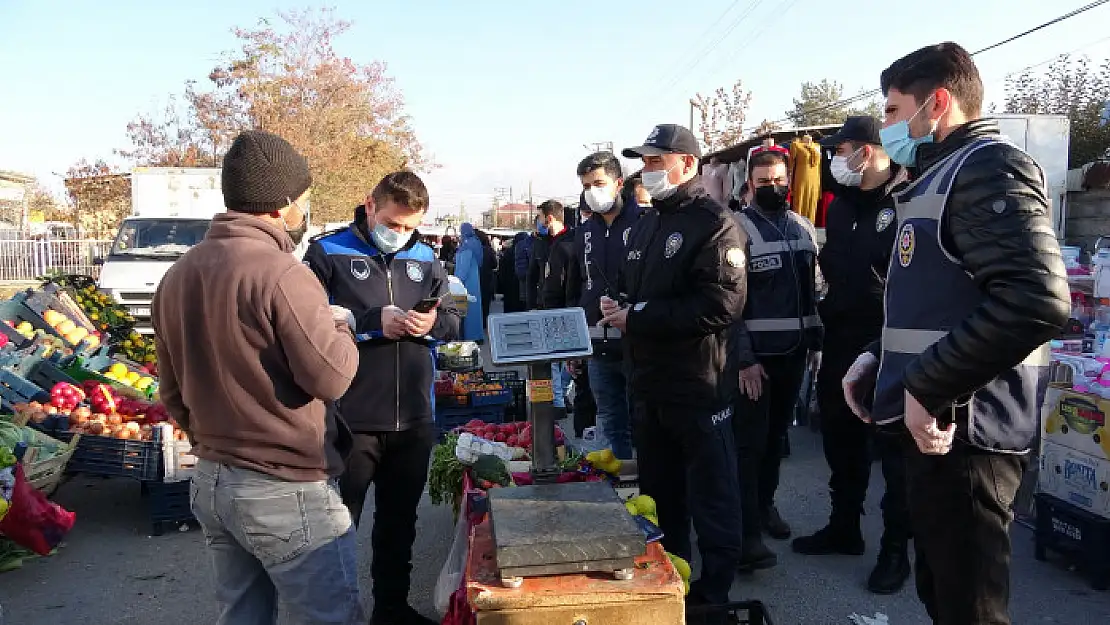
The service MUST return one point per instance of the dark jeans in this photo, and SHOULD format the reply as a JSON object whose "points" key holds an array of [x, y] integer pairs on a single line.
{"points": [[585, 407], [687, 464], [960, 506], [610, 389], [759, 428], [846, 441], [397, 463]]}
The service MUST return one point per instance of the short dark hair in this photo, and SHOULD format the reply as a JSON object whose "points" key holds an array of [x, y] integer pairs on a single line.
{"points": [[601, 160], [404, 188], [766, 158], [944, 65], [551, 208]]}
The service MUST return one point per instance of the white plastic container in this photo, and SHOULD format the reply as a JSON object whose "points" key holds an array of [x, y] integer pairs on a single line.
{"points": [[470, 447]]}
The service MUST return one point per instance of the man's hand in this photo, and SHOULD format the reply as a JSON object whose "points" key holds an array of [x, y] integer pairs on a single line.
{"points": [[860, 376], [613, 314], [418, 323], [926, 433], [393, 322], [573, 366], [751, 381], [338, 313]]}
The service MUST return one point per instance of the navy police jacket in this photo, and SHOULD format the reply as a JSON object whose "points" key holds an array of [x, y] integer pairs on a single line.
{"points": [[392, 390]]}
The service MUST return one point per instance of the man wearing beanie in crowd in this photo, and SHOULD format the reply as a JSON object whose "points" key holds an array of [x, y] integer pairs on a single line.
{"points": [[249, 352]]}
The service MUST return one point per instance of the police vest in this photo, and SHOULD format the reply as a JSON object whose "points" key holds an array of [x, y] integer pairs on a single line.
{"points": [[928, 292], [781, 294]]}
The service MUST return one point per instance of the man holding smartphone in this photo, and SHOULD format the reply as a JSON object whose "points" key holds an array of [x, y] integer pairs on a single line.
{"points": [[390, 287]]}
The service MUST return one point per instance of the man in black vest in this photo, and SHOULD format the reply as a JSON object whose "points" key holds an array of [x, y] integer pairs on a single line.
{"points": [[771, 344], [975, 288], [859, 233]]}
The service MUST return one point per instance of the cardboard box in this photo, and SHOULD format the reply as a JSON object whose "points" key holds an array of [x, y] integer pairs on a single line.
{"points": [[1076, 421], [1080, 479]]}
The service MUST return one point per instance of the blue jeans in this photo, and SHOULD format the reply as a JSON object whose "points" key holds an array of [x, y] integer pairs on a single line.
{"points": [[271, 539], [559, 381], [610, 388]]}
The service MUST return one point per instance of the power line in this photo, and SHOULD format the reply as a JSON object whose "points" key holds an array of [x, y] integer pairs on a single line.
{"points": [[873, 92], [698, 58]]}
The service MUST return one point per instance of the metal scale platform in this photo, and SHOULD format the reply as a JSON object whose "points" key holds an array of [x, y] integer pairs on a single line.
{"points": [[549, 528]]}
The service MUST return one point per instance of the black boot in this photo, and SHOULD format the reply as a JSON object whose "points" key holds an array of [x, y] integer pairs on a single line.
{"points": [[756, 556], [842, 536], [774, 525], [891, 570]]}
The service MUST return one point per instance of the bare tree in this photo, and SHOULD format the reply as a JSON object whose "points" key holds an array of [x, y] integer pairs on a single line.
{"points": [[722, 116]]}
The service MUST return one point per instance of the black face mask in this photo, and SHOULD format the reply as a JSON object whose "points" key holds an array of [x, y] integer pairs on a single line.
{"points": [[297, 234], [771, 197]]}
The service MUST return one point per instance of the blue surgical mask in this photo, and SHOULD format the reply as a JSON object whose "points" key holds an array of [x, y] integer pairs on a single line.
{"points": [[542, 229], [389, 241], [900, 146]]}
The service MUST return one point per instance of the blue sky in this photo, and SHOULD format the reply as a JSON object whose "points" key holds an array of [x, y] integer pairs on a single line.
{"points": [[501, 93]]}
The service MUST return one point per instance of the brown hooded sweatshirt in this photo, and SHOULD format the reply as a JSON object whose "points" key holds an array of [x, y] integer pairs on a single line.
{"points": [[247, 351]]}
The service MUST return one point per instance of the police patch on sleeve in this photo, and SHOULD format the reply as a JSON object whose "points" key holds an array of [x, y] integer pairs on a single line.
{"points": [[735, 257], [415, 272], [360, 269], [674, 243], [886, 217]]}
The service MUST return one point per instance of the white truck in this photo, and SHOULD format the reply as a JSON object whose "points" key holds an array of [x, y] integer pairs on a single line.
{"points": [[171, 210]]}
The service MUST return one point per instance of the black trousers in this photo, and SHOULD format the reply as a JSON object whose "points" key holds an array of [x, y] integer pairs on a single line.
{"points": [[687, 463], [397, 464], [960, 506], [759, 428], [585, 408], [851, 445]]}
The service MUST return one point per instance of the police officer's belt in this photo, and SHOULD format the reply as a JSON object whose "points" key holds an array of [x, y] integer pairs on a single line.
{"points": [[906, 341], [782, 325]]}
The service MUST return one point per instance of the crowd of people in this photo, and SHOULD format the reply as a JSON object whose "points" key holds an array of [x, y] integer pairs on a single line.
{"points": [[923, 312]]}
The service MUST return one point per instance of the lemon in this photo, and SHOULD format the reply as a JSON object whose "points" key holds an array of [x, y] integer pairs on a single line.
{"points": [[628, 505], [645, 504], [118, 369], [681, 566], [651, 517], [144, 383], [686, 587]]}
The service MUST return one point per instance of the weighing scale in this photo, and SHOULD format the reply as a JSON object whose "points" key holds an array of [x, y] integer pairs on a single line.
{"points": [[550, 528]]}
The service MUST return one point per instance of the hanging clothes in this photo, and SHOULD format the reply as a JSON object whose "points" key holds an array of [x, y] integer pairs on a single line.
{"points": [[805, 177], [715, 177], [738, 175], [468, 269]]}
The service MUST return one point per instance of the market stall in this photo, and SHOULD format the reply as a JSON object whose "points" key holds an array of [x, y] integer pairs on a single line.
{"points": [[79, 394]]}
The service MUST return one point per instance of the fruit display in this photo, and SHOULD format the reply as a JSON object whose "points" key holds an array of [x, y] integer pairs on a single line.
{"points": [[118, 372], [111, 319], [516, 435], [98, 410], [642, 505], [70, 330], [683, 569], [605, 461], [464, 383]]}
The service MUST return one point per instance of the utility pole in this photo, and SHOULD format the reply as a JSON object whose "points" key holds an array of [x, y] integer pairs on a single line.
{"points": [[529, 193]]}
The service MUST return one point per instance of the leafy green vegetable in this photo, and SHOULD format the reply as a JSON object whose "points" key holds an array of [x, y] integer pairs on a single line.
{"points": [[445, 478]]}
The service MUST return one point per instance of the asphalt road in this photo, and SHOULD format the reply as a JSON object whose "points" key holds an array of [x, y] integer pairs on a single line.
{"points": [[111, 571]]}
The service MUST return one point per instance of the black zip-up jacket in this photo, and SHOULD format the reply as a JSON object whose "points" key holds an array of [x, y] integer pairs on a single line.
{"points": [[860, 227], [998, 224], [537, 262], [392, 389], [561, 283], [685, 276], [599, 251]]}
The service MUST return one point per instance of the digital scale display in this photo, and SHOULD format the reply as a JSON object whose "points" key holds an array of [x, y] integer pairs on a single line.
{"points": [[559, 334]]}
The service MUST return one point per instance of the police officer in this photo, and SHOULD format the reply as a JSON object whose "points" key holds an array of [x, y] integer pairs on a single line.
{"points": [[379, 271], [779, 330], [684, 276], [859, 233], [975, 288], [599, 251]]}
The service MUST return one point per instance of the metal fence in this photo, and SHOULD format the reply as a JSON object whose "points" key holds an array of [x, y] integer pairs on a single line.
{"points": [[22, 259]]}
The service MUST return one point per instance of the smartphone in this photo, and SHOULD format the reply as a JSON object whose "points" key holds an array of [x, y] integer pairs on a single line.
{"points": [[426, 305]]}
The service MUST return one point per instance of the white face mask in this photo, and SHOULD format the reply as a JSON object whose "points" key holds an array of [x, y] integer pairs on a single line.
{"points": [[844, 174], [389, 241], [600, 199], [658, 185]]}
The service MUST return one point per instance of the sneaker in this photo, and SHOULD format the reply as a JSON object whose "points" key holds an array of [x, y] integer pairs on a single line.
{"points": [[831, 540], [756, 556], [774, 525], [891, 570], [405, 615]]}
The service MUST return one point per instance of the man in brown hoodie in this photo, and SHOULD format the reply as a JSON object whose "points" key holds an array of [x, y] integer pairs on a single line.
{"points": [[249, 352]]}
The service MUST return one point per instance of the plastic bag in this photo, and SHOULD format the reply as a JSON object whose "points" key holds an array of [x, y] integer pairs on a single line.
{"points": [[451, 575], [34, 522]]}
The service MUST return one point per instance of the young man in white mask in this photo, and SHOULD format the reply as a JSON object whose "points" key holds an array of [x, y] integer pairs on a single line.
{"points": [[682, 285], [859, 234], [378, 270], [599, 250]]}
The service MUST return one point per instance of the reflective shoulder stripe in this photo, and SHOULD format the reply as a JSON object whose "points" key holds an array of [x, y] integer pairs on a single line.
{"points": [[907, 341], [775, 247], [782, 325], [749, 227]]}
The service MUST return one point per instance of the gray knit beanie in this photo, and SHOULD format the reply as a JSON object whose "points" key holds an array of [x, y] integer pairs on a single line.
{"points": [[262, 173]]}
